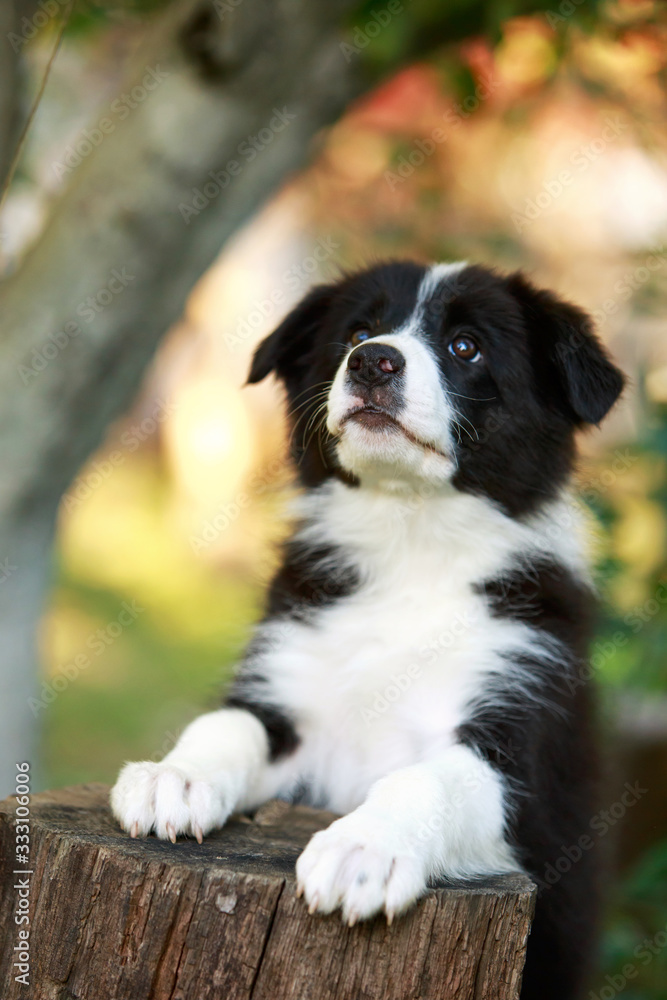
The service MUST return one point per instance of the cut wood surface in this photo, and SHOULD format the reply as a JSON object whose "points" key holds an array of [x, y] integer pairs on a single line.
{"points": [[113, 918]]}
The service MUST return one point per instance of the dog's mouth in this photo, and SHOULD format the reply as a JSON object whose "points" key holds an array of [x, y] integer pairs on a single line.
{"points": [[374, 418]]}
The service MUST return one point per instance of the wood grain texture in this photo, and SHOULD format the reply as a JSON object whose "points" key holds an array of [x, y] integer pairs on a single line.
{"points": [[116, 919]]}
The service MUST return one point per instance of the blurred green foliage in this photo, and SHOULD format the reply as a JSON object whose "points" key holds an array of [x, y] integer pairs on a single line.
{"points": [[412, 29], [635, 944], [89, 16], [150, 683], [640, 657]]}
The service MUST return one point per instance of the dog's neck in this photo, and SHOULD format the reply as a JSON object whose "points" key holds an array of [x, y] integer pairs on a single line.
{"points": [[383, 530]]}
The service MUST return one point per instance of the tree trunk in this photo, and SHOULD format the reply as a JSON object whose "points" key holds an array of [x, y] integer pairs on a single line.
{"points": [[10, 103], [114, 917], [126, 242]]}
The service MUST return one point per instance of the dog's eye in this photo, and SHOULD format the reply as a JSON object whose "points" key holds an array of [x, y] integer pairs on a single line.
{"points": [[466, 348], [358, 336]]}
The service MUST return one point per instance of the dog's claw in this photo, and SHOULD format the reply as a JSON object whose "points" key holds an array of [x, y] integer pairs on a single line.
{"points": [[299, 890], [198, 833], [352, 919], [390, 917], [171, 833], [313, 905], [134, 830]]}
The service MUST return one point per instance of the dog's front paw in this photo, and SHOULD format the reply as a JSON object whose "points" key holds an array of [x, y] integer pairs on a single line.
{"points": [[169, 800], [363, 867]]}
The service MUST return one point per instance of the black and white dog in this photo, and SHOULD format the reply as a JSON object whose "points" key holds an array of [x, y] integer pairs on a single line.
{"points": [[418, 669]]}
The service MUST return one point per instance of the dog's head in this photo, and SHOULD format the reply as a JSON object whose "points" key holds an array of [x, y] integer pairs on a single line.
{"points": [[452, 375]]}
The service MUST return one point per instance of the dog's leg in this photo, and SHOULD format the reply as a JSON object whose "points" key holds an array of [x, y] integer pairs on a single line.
{"points": [[445, 816], [219, 764]]}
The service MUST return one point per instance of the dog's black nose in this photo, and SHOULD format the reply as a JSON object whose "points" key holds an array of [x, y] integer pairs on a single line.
{"points": [[375, 364]]}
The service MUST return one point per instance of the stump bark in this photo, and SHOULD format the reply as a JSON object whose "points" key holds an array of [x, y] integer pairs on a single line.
{"points": [[112, 918]]}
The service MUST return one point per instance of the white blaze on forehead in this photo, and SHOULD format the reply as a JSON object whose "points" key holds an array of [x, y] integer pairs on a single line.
{"points": [[437, 276]]}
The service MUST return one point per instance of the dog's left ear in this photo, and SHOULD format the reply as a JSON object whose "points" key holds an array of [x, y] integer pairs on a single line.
{"points": [[590, 383], [284, 351]]}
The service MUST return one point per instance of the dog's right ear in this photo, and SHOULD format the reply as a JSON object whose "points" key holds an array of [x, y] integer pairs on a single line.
{"points": [[285, 350], [587, 382]]}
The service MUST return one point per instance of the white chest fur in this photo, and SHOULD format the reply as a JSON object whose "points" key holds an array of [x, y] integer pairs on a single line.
{"points": [[381, 679]]}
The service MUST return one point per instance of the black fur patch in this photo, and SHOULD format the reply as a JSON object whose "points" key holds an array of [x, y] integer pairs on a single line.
{"points": [[547, 754], [309, 579], [547, 596], [280, 729]]}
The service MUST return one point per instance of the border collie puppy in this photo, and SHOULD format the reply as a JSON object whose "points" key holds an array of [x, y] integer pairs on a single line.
{"points": [[419, 666]]}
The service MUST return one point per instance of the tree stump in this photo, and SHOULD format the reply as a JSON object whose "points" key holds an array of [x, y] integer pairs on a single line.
{"points": [[111, 918]]}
